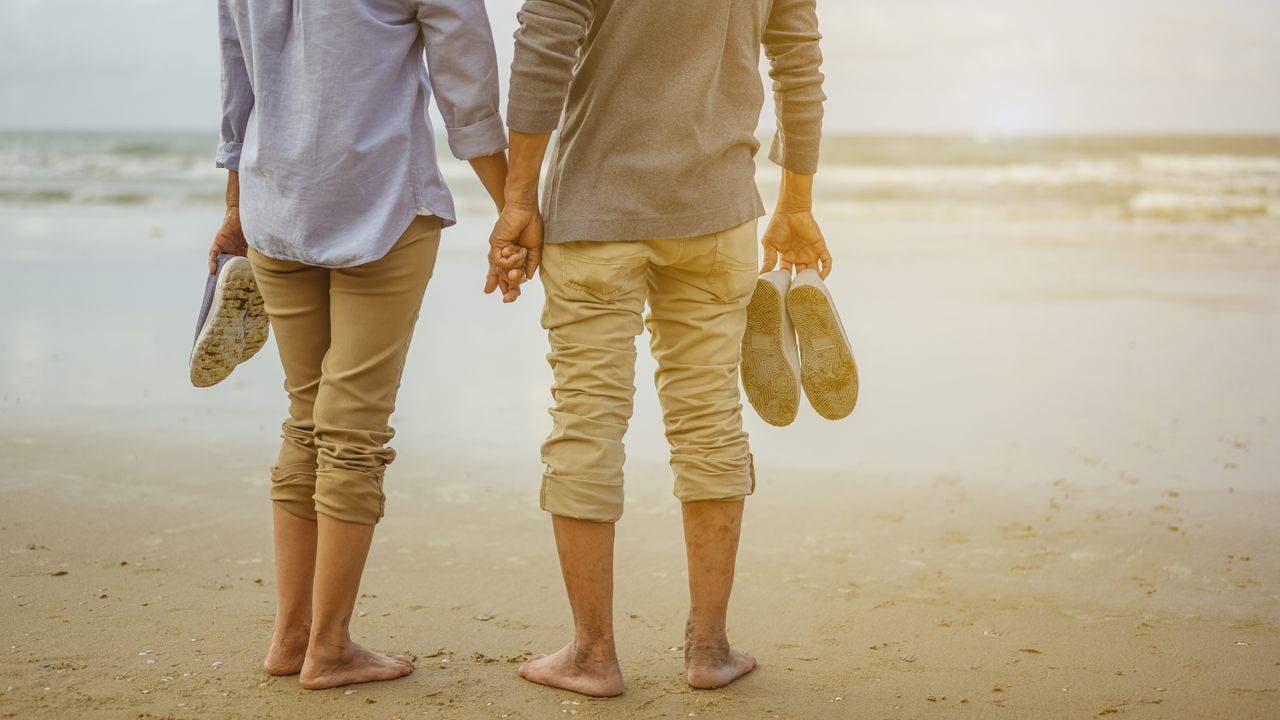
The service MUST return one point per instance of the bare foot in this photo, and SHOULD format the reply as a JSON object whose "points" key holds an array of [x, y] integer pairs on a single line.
{"points": [[715, 664], [589, 671], [287, 651], [330, 667]]}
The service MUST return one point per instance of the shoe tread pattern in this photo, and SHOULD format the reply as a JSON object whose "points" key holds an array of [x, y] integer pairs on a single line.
{"points": [[828, 371], [771, 385], [238, 329]]}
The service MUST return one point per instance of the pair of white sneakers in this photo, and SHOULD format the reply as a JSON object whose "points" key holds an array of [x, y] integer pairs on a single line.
{"points": [[782, 311]]}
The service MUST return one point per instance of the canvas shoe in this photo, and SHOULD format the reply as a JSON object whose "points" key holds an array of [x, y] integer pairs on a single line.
{"points": [[827, 369], [232, 325], [770, 364]]}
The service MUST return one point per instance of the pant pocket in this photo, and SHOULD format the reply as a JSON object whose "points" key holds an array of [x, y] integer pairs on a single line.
{"points": [[734, 271], [599, 269]]}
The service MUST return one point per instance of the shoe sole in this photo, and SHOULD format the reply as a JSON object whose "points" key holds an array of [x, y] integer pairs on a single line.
{"points": [[768, 378], [236, 329], [827, 368]]}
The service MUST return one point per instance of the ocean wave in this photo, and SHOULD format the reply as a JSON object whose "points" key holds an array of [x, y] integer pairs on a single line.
{"points": [[1182, 206], [1202, 179]]}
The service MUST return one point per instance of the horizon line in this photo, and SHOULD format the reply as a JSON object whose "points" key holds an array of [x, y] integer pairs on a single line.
{"points": [[765, 134]]}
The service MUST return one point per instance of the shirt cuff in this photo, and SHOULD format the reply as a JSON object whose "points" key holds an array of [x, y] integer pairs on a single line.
{"points": [[486, 137], [229, 155], [802, 160], [533, 120]]}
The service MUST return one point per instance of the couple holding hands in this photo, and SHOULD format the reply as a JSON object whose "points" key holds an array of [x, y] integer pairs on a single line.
{"points": [[335, 207]]}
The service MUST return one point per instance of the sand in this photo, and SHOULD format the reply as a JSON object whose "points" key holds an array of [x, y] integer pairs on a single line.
{"points": [[1058, 499]]}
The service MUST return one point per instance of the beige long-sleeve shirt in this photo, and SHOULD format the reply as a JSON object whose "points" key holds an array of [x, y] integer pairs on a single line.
{"points": [[657, 103]]}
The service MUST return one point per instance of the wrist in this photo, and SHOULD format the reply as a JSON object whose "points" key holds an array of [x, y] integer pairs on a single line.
{"points": [[795, 193], [521, 194], [792, 207]]}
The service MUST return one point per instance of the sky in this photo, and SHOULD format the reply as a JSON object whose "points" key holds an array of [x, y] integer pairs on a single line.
{"points": [[931, 66]]}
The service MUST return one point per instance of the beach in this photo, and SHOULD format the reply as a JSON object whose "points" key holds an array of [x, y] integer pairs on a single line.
{"points": [[1056, 499]]}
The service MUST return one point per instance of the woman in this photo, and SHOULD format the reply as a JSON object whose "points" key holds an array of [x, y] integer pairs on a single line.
{"points": [[332, 172]]}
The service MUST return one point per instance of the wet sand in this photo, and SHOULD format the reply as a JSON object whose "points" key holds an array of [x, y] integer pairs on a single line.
{"points": [[1058, 499]]}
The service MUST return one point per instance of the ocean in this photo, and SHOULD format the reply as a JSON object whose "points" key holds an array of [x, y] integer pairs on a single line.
{"points": [[1175, 179]]}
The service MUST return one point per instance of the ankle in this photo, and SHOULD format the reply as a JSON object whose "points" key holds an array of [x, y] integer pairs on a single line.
{"points": [[329, 645], [703, 634], [291, 627], [595, 646]]}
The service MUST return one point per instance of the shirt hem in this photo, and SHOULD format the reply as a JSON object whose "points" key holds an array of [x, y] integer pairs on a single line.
{"points": [[378, 254], [657, 228]]}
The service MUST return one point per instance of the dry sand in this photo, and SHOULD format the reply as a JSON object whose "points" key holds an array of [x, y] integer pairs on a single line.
{"points": [[1059, 500]]}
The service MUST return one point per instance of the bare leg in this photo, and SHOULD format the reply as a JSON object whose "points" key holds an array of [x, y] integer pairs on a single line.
{"points": [[332, 658], [711, 531], [295, 541], [589, 664]]}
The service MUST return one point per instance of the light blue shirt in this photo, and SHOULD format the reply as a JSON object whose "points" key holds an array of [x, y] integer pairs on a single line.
{"points": [[324, 115]]}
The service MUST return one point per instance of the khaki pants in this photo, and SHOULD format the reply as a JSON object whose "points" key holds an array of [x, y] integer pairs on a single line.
{"points": [[698, 289], [343, 335]]}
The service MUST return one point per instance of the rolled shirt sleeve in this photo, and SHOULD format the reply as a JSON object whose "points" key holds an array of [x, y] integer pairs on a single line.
{"points": [[548, 40], [463, 67], [237, 91], [791, 43]]}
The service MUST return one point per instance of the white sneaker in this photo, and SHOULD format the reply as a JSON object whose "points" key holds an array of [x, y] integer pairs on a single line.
{"points": [[770, 363], [232, 324], [827, 368]]}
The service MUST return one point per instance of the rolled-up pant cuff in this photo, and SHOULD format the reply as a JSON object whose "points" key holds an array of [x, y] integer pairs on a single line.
{"points": [[582, 498], [293, 488], [352, 496], [714, 483]]}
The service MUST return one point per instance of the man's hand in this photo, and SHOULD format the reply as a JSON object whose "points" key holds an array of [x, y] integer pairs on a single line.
{"points": [[515, 246], [795, 239], [515, 249], [792, 233], [230, 239]]}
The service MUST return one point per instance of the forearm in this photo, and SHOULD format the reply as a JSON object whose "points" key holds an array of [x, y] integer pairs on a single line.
{"points": [[527, 151], [492, 172], [791, 42], [233, 189], [547, 46], [795, 192]]}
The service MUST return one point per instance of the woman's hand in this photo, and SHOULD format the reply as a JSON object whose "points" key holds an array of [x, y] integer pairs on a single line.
{"points": [[229, 238]]}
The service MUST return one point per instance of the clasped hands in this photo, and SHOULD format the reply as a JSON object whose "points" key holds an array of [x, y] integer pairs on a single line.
{"points": [[515, 249]]}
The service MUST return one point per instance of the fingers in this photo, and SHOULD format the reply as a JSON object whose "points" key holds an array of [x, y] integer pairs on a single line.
{"points": [[511, 258], [213, 261], [491, 280], [510, 266], [770, 259], [825, 258], [533, 262]]}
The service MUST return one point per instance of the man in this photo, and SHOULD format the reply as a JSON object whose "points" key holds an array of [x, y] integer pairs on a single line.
{"points": [[651, 197], [326, 140]]}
